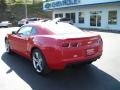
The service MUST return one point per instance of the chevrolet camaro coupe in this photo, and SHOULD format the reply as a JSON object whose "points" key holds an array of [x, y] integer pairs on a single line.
{"points": [[53, 46]]}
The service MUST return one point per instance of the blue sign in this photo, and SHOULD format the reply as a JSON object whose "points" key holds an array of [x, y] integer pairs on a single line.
{"points": [[61, 3]]}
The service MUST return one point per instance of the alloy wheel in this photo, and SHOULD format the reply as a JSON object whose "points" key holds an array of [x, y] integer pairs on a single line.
{"points": [[37, 61]]}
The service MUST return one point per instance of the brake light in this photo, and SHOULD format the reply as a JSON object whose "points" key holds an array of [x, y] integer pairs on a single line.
{"points": [[74, 44], [66, 45], [71, 44], [100, 41]]}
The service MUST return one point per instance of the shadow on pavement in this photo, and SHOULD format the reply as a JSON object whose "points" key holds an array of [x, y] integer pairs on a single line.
{"points": [[88, 77]]}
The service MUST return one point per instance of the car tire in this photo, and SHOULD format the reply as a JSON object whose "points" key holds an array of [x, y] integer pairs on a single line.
{"points": [[39, 62], [7, 46]]}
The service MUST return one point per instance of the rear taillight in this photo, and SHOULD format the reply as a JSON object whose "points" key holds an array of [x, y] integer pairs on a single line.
{"points": [[66, 45], [100, 41], [71, 44], [75, 44]]}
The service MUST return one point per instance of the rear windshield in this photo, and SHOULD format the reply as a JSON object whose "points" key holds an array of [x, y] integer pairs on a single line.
{"points": [[63, 28]]}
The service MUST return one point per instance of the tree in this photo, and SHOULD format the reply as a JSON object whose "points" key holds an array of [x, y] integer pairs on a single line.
{"points": [[2, 5], [13, 1]]}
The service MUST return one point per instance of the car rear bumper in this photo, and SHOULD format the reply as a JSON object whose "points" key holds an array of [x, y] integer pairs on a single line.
{"points": [[59, 62], [67, 62]]}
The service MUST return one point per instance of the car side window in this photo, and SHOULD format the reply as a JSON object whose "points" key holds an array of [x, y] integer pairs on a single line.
{"points": [[25, 31], [34, 31]]}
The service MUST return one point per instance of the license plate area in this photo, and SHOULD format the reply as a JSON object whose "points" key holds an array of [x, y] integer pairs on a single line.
{"points": [[90, 51]]}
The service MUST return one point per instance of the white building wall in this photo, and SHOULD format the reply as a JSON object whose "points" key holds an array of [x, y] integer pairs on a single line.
{"points": [[86, 9]]}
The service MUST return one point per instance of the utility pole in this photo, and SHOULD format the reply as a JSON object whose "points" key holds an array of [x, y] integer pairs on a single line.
{"points": [[33, 2], [26, 11]]}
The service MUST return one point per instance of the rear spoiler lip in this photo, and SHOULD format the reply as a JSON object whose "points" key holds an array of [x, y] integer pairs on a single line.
{"points": [[91, 38]]}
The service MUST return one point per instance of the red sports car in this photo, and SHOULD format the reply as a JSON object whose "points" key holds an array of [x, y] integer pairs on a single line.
{"points": [[52, 45]]}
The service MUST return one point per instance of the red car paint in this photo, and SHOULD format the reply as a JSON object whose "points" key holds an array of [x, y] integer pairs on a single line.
{"points": [[59, 48]]}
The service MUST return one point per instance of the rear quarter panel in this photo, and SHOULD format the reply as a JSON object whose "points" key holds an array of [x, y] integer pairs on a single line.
{"points": [[49, 47]]}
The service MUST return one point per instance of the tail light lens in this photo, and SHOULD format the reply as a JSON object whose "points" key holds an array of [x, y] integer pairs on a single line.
{"points": [[100, 41], [67, 45], [74, 44], [71, 44]]}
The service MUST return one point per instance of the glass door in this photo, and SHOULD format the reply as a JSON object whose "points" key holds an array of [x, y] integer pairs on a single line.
{"points": [[71, 16], [98, 21], [95, 19]]}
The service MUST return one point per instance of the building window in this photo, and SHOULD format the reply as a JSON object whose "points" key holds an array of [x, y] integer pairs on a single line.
{"points": [[81, 17], [58, 15], [71, 16], [95, 18], [112, 17]]}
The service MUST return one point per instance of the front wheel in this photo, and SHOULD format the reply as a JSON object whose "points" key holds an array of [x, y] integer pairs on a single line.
{"points": [[39, 62]]}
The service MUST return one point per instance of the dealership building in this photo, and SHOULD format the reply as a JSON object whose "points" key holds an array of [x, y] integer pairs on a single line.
{"points": [[95, 14]]}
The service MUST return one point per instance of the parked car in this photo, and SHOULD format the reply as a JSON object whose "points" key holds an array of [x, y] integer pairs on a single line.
{"points": [[53, 46], [65, 20], [27, 20], [5, 24]]}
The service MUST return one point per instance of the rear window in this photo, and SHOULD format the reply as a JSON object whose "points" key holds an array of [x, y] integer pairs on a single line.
{"points": [[62, 28]]}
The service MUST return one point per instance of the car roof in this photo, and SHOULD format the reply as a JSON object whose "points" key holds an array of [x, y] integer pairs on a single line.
{"points": [[57, 28]]}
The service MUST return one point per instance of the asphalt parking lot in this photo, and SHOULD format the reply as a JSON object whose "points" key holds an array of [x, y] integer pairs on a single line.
{"points": [[16, 72]]}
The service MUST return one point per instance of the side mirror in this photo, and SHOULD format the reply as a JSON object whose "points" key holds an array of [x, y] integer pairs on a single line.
{"points": [[13, 32]]}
